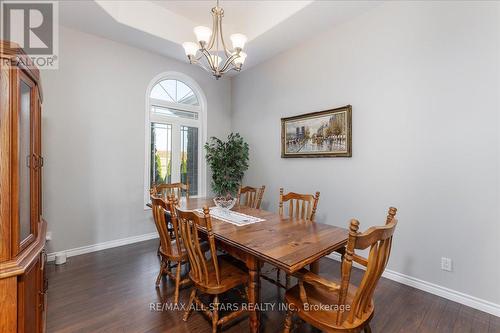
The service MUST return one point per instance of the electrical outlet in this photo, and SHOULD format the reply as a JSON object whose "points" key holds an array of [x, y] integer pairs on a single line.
{"points": [[446, 264]]}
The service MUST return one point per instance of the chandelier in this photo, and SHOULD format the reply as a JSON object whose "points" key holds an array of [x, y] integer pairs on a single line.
{"points": [[206, 53]]}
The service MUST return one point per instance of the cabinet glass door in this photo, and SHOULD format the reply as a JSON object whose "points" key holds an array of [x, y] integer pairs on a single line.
{"points": [[25, 160]]}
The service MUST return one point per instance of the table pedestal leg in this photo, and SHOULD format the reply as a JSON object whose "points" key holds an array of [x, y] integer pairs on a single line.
{"points": [[315, 267], [254, 293]]}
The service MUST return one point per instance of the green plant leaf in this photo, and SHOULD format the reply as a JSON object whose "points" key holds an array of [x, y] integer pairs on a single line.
{"points": [[228, 161]]}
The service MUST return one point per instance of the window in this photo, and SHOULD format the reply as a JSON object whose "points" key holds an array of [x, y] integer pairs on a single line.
{"points": [[174, 130]]}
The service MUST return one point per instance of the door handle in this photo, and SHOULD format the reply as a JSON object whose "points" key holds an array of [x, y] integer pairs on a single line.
{"points": [[37, 162], [41, 301], [44, 258]]}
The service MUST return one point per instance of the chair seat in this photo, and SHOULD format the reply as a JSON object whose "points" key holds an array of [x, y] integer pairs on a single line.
{"points": [[322, 309], [183, 255], [175, 254], [231, 276]]}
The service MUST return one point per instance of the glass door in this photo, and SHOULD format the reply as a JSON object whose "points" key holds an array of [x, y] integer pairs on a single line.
{"points": [[27, 189]]}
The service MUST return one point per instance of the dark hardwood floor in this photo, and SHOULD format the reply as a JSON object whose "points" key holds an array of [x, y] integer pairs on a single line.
{"points": [[113, 291]]}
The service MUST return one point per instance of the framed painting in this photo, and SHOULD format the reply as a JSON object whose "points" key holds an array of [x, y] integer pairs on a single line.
{"points": [[318, 134]]}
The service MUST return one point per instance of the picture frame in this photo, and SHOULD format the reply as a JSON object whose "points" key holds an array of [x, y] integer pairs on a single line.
{"points": [[318, 134]]}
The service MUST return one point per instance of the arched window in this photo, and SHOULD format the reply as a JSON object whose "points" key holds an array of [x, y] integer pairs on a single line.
{"points": [[175, 132]]}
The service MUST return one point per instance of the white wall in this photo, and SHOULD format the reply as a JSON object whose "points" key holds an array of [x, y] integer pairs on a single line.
{"points": [[93, 137], [423, 80]]}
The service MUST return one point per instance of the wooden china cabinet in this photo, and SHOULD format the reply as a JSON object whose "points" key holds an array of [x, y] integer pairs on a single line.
{"points": [[22, 230]]}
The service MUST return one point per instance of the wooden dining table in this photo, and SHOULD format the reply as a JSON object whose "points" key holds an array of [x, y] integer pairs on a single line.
{"points": [[287, 243]]}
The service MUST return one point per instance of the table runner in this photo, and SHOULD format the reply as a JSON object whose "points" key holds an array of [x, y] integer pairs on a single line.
{"points": [[236, 218]]}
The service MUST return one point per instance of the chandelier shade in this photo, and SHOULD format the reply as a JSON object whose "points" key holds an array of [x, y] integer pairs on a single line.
{"points": [[240, 59], [211, 46], [238, 41], [190, 48], [203, 34]]}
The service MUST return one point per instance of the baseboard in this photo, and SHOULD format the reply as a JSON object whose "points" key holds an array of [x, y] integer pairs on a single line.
{"points": [[453, 295], [104, 245]]}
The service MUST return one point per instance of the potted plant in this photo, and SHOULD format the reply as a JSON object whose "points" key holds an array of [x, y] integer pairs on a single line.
{"points": [[228, 161]]}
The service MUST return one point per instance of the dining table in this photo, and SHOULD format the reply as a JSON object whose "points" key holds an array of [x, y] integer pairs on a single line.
{"points": [[285, 242]]}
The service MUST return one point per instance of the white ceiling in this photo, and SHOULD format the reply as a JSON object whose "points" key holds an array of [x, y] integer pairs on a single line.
{"points": [[162, 26], [253, 18]]}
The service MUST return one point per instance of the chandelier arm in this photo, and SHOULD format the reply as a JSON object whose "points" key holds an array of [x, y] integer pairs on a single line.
{"points": [[229, 61], [208, 70], [196, 57], [228, 69], [209, 59], [226, 50], [214, 32], [199, 63]]}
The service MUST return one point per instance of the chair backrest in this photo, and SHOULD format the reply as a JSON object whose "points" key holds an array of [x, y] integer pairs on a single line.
{"points": [[302, 206], [159, 208], [164, 190], [251, 196], [190, 222], [379, 240]]}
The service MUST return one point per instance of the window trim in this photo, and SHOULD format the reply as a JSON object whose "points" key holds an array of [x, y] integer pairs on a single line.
{"points": [[167, 104], [201, 123]]}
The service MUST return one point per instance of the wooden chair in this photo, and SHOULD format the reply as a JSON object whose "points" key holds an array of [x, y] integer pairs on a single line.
{"points": [[351, 307], [171, 251], [212, 276], [252, 196], [300, 206], [176, 189], [164, 191]]}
